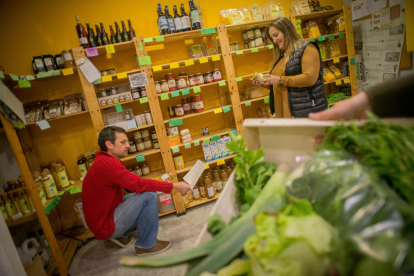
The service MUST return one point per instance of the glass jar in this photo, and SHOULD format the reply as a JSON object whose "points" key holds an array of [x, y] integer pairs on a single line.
{"points": [[179, 110], [182, 82], [258, 41], [232, 49], [137, 135], [140, 145], [208, 77], [171, 82], [143, 119], [103, 93], [67, 56], [121, 98], [145, 169], [143, 92], [171, 112], [127, 97], [137, 170], [200, 184], [236, 46], [145, 133], [186, 105], [110, 101], [216, 75], [113, 90], [111, 71], [154, 135], [132, 147], [155, 144], [197, 104], [116, 100], [135, 94], [208, 184], [158, 87], [104, 73], [192, 80], [199, 79], [164, 86], [103, 103], [257, 32], [148, 117], [251, 42], [249, 34], [147, 143]]}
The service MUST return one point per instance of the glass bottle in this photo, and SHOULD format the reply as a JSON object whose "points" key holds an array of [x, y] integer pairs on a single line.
{"points": [[217, 179], [98, 36], [196, 192], [3, 210], [177, 20], [105, 39], [185, 19], [209, 186], [224, 175], [162, 22], [10, 210], [127, 116], [16, 206], [20, 183], [200, 184], [194, 16], [62, 175], [28, 199], [125, 35], [24, 206], [118, 33], [113, 37], [59, 161], [170, 20], [52, 179], [40, 189], [51, 191], [53, 167], [91, 36], [44, 166], [82, 165], [131, 30], [11, 185], [82, 35]]}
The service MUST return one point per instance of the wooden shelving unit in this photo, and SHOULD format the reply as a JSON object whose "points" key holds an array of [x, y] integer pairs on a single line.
{"points": [[197, 114], [190, 164], [61, 117]]}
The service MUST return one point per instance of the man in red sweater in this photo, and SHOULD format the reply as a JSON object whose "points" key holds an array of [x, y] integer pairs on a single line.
{"points": [[112, 215]]}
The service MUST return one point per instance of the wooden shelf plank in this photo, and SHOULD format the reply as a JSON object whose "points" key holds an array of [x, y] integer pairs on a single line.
{"points": [[126, 102], [197, 114], [249, 76], [75, 71], [249, 51], [329, 82], [203, 200], [340, 57], [254, 100], [180, 37], [119, 47], [115, 76], [22, 219], [181, 63], [316, 15], [138, 128], [80, 233], [145, 153], [154, 174], [245, 26], [189, 164], [61, 117], [170, 212], [212, 133]]}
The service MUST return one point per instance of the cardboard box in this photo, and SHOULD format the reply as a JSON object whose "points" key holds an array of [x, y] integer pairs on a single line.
{"points": [[207, 152], [173, 136], [222, 148], [215, 154], [227, 139], [35, 268]]}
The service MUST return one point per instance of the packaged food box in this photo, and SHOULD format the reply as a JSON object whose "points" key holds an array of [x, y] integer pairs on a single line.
{"points": [[207, 152]]}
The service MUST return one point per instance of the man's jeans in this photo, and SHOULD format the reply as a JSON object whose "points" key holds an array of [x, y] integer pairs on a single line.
{"points": [[138, 210]]}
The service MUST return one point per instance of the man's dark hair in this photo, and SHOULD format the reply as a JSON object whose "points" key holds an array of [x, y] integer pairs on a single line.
{"points": [[108, 134]]}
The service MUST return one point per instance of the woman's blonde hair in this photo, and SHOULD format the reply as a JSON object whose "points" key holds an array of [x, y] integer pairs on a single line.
{"points": [[292, 40]]}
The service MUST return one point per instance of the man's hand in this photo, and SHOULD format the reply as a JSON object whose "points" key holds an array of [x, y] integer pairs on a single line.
{"points": [[352, 108], [182, 187]]}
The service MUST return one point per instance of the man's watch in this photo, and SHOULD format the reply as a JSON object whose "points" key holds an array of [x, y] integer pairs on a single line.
{"points": [[280, 80]]}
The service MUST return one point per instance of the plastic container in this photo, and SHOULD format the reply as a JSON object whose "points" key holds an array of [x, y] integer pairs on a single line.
{"points": [[165, 203]]}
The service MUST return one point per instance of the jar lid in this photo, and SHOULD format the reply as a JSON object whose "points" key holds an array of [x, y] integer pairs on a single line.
{"points": [[191, 76], [163, 80], [37, 57], [183, 73], [169, 74], [104, 71], [155, 140]]}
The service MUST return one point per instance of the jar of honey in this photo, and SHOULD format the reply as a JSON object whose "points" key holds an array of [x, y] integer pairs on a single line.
{"points": [[145, 168]]}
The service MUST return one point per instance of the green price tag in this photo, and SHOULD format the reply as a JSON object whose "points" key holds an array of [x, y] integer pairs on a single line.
{"points": [[270, 46], [175, 93], [196, 89], [206, 140], [143, 100], [175, 122], [14, 77], [175, 149], [215, 138], [239, 79], [48, 74], [29, 77], [321, 38], [56, 73], [266, 99], [61, 192], [187, 145], [140, 46], [212, 30], [222, 83], [254, 50], [118, 107], [248, 103], [311, 39], [226, 109], [145, 60], [185, 91], [196, 143], [205, 31], [331, 37], [1, 75], [164, 96], [98, 81], [76, 190], [159, 38], [24, 83], [352, 61], [234, 131], [148, 40], [341, 35], [41, 75], [140, 158], [240, 52]]}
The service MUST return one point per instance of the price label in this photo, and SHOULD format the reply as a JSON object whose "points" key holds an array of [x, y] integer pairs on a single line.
{"points": [[110, 49]]}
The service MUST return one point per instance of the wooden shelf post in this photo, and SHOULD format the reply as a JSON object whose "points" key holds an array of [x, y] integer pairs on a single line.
{"points": [[231, 76], [350, 46], [33, 193], [90, 96], [159, 124]]}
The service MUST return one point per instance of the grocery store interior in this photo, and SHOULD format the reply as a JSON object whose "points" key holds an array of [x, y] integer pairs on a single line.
{"points": [[191, 108]]}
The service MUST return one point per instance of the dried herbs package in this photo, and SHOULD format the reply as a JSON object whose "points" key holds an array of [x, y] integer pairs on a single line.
{"points": [[211, 46], [73, 104], [53, 109], [196, 50], [340, 24], [313, 30], [322, 50], [256, 12], [245, 14], [333, 49], [336, 72]]}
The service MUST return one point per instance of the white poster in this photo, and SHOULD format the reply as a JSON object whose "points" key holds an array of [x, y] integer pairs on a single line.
{"points": [[396, 2], [380, 51], [138, 80], [361, 8], [386, 19], [89, 70]]}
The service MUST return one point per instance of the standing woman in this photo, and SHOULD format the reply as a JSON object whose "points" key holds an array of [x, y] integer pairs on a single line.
{"points": [[296, 78]]}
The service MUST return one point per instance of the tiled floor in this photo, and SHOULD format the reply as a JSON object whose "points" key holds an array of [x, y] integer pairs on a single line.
{"points": [[102, 257]]}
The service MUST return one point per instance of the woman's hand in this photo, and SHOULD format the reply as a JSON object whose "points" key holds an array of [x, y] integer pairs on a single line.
{"points": [[271, 79]]}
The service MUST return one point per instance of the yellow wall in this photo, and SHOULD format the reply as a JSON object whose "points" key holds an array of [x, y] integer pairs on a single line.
{"points": [[30, 28]]}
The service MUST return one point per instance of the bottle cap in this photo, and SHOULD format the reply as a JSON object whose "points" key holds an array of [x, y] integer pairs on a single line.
{"points": [[43, 174]]}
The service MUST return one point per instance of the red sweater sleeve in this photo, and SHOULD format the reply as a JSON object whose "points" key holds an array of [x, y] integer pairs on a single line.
{"points": [[117, 175]]}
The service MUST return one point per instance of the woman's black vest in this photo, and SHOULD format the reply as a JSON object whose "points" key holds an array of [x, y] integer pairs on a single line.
{"points": [[304, 100]]}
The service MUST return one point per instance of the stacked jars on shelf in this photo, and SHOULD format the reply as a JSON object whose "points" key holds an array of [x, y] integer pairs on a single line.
{"points": [[253, 38], [211, 182], [143, 141], [111, 97], [141, 169], [15, 199]]}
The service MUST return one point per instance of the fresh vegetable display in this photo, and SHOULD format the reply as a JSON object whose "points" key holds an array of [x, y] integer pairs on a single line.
{"points": [[337, 97], [215, 224]]}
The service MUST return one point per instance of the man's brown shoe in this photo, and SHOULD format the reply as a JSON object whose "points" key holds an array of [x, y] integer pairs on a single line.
{"points": [[122, 242], [161, 246]]}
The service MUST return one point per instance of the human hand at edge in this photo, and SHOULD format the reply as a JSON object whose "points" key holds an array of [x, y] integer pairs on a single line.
{"points": [[270, 79], [352, 108], [182, 187]]}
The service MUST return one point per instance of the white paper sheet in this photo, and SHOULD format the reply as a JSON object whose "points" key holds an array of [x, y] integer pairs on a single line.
{"points": [[89, 70], [194, 174], [12, 101], [361, 8], [386, 18], [396, 2], [138, 80]]}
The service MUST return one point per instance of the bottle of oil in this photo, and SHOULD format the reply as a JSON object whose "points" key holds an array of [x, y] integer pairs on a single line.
{"points": [[201, 186], [51, 191], [196, 192], [82, 165], [217, 179], [22, 202], [62, 175], [40, 189], [3, 209], [52, 179], [208, 183], [28, 199], [16, 206]]}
